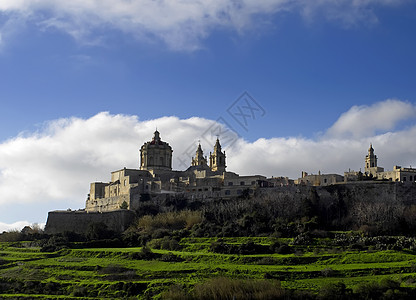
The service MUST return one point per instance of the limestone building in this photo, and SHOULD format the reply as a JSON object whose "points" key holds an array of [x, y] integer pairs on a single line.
{"points": [[123, 191], [156, 177], [319, 179], [372, 170], [371, 163]]}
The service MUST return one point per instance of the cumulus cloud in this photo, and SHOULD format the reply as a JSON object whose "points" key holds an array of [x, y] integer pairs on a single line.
{"points": [[14, 226], [178, 23], [52, 168], [361, 121]]}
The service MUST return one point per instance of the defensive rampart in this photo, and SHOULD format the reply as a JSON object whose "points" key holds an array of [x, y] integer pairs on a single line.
{"points": [[79, 221]]}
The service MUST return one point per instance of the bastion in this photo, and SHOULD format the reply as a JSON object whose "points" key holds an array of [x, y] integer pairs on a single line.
{"points": [[79, 221]]}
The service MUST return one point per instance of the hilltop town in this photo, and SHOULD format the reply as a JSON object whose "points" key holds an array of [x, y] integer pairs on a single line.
{"points": [[205, 178]]}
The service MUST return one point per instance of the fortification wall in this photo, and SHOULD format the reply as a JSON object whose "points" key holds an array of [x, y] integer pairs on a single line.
{"points": [[371, 192], [350, 192], [107, 204], [79, 221]]}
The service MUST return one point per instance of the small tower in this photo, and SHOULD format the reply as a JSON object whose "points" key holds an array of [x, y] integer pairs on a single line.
{"points": [[370, 159], [217, 159], [199, 159]]}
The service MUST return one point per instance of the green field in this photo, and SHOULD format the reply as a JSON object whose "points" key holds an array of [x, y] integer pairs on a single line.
{"points": [[25, 272]]}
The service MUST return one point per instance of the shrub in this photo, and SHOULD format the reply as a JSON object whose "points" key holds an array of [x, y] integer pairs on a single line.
{"points": [[274, 247], [124, 205], [226, 288], [328, 272], [170, 257], [175, 292], [54, 243], [185, 219], [266, 261], [10, 236], [331, 291], [284, 249], [80, 291], [303, 239], [98, 231]]}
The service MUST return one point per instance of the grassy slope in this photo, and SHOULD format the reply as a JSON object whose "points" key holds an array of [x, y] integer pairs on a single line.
{"points": [[103, 272]]}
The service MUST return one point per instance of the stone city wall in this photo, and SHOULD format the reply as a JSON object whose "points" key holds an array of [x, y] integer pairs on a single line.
{"points": [[79, 221]]}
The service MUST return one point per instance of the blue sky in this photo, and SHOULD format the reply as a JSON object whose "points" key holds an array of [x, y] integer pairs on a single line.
{"points": [[318, 69]]}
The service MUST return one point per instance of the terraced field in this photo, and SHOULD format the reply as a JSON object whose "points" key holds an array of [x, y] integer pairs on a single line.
{"points": [[25, 272]]}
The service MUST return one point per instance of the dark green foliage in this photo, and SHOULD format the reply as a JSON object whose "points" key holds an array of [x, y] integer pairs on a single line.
{"points": [[99, 231], [55, 243], [124, 205], [385, 289], [330, 291], [147, 208], [226, 288], [170, 257], [145, 254], [177, 201], [168, 243], [303, 239], [284, 249], [244, 249]]}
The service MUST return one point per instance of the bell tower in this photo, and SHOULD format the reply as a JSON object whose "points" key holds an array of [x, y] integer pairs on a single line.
{"points": [[199, 159], [217, 158], [370, 159]]}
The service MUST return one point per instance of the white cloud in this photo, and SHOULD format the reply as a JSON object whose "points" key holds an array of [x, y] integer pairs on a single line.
{"points": [[362, 121], [181, 24], [54, 166], [14, 226]]}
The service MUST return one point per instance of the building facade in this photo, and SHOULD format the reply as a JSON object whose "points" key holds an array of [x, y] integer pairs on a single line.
{"points": [[128, 186], [373, 171]]}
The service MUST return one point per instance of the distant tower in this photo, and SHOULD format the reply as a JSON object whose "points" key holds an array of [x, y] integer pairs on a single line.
{"points": [[370, 159], [217, 159], [199, 159], [156, 154]]}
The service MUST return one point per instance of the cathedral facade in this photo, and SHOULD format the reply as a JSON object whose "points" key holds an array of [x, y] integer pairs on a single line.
{"points": [[156, 177]]}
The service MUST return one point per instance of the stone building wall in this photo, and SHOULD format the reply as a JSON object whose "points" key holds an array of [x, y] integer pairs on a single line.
{"points": [[107, 204], [79, 221]]}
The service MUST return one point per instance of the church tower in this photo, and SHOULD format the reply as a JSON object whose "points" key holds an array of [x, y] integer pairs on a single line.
{"points": [[199, 159], [370, 159], [156, 154], [217, 158]]}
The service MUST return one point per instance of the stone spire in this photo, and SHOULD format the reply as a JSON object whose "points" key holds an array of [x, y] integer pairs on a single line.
{"points": [[156, 137], [370, 159], [199, 159], [217, 158]]}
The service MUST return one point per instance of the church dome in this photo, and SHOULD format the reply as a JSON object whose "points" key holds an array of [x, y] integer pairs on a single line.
{"points": [[156, 154]]}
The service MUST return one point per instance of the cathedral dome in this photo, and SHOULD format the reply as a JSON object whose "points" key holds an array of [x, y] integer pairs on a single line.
{"points": [[156, 154]]}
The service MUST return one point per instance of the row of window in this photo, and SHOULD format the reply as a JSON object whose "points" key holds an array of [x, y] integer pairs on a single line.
{"points": [[230, 183], [411, 178]]}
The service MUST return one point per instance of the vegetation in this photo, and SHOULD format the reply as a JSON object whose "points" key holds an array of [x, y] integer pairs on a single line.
{"points": [[255, 248]]}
